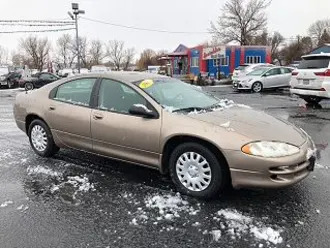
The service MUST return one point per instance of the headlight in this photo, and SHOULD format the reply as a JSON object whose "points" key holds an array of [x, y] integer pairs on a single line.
{"points": [[270, 149]]}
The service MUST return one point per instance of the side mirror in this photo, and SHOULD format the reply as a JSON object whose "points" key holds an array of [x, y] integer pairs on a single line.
{"points": [[142, 110]]}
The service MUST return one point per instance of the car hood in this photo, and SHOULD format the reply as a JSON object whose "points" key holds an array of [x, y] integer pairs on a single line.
{"points": [[255, 125]]}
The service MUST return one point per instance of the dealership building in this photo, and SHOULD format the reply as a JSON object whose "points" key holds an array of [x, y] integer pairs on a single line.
{"points": [[214, 59]]}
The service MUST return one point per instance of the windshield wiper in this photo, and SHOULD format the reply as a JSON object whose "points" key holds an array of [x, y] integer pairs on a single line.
{"points": [[189, 109]]}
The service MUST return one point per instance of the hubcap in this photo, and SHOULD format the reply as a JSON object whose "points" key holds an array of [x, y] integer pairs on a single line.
{"points": [[39, 138], [257, 87], [194, 172]]}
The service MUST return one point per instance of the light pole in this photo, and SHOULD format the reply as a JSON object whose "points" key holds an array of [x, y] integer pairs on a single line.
{"points": [[74, 16]]}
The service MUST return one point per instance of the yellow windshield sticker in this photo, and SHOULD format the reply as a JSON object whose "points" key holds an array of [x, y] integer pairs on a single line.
{"points": [[146, 84]]}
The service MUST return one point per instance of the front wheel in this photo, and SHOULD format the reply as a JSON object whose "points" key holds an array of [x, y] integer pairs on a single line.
{"points": [[196, 171], [41, 139], [257, 87]]}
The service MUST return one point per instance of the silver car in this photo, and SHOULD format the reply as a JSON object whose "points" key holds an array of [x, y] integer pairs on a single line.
{"points": [[264, 78]]}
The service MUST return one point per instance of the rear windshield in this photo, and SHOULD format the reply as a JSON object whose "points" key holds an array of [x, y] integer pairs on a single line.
{"points": [[317, 62]]}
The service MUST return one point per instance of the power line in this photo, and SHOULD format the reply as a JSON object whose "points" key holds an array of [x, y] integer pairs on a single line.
{"points": [[36, 31], [36, 25], [37, 21], [142, 29]]}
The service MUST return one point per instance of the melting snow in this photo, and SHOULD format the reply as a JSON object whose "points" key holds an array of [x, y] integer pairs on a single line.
{"points": [[42, 170], [226, 125], [238, 224], [216, 234], [6, 203], [310, 153]]}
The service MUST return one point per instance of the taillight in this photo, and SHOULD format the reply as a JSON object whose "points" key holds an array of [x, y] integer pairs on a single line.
{"points": [[323, 74], [294, 73]]}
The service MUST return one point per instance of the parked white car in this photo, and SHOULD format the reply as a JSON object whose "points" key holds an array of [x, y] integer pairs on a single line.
{"points": [[99, 69], [4, 70], [311, 80], [264, 78], [243, 70]]}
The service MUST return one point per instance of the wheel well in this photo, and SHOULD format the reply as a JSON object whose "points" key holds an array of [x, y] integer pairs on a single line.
{"points": [[172, 143], [29, 118]]}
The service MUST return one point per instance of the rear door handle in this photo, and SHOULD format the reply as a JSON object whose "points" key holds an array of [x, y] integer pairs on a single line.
{"points": [[97, 116]]}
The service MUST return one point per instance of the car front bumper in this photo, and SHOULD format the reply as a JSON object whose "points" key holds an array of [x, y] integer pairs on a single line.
{"points": [[241, 86], [257, 172]]}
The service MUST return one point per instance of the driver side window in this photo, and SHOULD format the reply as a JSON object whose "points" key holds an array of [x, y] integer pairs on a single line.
{"points": [[118, 97]]}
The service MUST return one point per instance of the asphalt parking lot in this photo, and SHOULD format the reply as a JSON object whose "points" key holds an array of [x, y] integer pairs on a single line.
{"points": [[81, 200]]}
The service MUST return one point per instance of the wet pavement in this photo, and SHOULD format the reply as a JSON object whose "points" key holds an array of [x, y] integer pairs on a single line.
{"points": [[81, 200]]}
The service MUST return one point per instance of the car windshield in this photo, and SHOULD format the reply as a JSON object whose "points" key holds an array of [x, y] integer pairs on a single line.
{"points": [[175, 95], [241, 67], [258, 72], [315, 62]]}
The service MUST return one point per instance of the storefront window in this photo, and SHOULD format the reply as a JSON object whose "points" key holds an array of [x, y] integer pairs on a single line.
{"points": [[194, 62]]}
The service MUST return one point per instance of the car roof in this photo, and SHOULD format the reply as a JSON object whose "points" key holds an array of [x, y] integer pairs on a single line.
{"points": [[126, 77], [316, 55]]}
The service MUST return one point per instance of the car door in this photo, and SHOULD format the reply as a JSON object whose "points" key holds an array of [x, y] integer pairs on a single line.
{"points": [[272, 78], [69, 113], [44, 78], [119, 134], [286, 77]]}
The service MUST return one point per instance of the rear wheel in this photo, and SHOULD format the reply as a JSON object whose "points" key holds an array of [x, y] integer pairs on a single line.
{"points": [[41, 139], [257, 87], [196, 171], [29, 86], [312, 99]]}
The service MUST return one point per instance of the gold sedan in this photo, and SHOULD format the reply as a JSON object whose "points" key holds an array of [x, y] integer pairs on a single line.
{"points": [[203, 143]]}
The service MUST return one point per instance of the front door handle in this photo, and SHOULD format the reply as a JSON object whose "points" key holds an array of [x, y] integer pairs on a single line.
{"points": [[97, 116], [52, 108]]}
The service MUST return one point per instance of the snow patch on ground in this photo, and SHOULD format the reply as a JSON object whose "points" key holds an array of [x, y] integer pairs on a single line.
{"points": [[238, 224], [81, 184], [43, 170], [163, 208], [243, 106], [6, 203], [320, 166]]}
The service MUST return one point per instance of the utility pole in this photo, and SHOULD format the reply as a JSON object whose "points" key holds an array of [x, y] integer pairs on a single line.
{"points": [[74, 16]]}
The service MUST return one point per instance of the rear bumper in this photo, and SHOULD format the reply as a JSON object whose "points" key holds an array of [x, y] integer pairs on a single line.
{"points": [[306, 92], [257, 172]]}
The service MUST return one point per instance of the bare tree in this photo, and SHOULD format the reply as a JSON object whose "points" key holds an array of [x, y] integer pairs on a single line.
{"points": [[36, 50], [240, 20], [294, 50], [83, 49], [325, 38], [273, 41], [96, 52], [116, 53], [317, 29], [147, 57], [64, 52], [4, 55], [128, 57]]}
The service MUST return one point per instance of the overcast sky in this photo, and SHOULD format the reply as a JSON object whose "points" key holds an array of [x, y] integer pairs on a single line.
{"points": [[289, 17]]}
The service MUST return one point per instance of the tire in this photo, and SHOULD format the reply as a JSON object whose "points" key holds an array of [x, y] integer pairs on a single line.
{"points": [[10, 84], [215, 180], [41, 139], [29, 86], [257, 87], [312, 99]]}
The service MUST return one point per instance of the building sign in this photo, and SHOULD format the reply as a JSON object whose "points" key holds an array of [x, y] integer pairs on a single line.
{"points": [[214, 52]]}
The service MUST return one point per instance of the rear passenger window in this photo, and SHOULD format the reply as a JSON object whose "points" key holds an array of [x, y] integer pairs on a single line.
{"points": [[285, 70], [76, 92]]}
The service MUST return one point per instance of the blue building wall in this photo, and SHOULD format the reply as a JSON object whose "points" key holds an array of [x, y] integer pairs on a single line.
{"points": [[194, 53], [255, 52]]}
